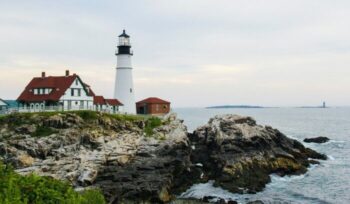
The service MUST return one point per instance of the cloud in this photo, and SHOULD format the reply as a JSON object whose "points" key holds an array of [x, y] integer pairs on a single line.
{"points": [[194, 53]]}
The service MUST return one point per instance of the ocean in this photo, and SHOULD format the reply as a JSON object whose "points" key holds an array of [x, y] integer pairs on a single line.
{"points": [[328, 182]]}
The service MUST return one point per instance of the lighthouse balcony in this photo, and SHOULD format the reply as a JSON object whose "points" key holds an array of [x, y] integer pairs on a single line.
{"points": [[123, 51]]}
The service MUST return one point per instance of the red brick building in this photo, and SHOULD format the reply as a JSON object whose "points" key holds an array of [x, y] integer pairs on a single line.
{"points": [[153, 106]]}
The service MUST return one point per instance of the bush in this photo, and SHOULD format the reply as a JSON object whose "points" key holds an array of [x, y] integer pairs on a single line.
{"points": [[33, 189], [152, 123], [42, 131], [86, 115]]}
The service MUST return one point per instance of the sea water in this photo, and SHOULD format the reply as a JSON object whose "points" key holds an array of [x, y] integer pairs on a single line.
{"points": [[328, 182]]}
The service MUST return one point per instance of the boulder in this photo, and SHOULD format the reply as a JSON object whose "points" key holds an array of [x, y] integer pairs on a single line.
{"points": [[316, 140], [240, 155], [25, 160]]}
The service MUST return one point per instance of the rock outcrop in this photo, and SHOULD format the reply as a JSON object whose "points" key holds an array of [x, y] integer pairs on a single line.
{"points": [[316, 140], [240, 155], [133, 161], [114, 154]]}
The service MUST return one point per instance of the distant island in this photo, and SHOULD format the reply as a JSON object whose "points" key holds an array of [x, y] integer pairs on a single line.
{"points": [[312, 107], [234, 106]]}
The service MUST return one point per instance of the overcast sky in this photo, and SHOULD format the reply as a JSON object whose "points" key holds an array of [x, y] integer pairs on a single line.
{"points": [[191, 52]]}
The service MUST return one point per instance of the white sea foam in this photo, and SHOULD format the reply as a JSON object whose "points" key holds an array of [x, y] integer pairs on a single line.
{"points": [[330, 157], [201, 190]]}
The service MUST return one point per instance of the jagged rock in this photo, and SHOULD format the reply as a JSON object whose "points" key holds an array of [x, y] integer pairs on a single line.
{"points": [[255, 202], [317, 139], [239, 154], [26, 129], [25, 160], [55, 121], [87, 177]]}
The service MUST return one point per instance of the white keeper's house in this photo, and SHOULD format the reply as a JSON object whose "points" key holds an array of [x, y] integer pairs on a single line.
{"points": [[3, 106], [66, 92]]}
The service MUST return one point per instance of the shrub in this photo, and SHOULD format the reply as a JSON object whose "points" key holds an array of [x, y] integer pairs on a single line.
{"points": [[33, 189], [86, 115], [152, 123], [42, 131]]}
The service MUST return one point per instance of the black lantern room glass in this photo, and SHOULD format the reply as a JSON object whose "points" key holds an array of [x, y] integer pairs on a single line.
{"points": [[124, 39], [124, 44]]}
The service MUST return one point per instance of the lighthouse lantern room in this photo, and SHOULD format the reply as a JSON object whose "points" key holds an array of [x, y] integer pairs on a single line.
{"points": [[124, 86]]}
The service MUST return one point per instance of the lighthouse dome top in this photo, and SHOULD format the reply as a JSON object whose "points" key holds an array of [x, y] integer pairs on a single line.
{"points": [[124, 35]]}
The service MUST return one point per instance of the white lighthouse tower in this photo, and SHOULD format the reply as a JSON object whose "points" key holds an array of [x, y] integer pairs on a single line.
{"points": [[124, 86]]}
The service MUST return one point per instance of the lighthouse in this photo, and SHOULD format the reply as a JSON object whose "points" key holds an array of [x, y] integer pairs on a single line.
{"points": [[124, 86]]}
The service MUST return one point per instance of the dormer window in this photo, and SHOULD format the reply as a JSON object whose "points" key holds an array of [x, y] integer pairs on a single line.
{"points": [[41, 91]]}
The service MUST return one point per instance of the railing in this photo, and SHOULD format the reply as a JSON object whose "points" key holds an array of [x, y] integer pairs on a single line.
{"points": [[55, 108]]}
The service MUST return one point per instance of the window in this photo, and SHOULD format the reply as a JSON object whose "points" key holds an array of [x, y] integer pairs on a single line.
{"points": [[76, 103], [130, 90], [79, 92], [165, 107], [35, 91], [76, 82], [72, 92]]}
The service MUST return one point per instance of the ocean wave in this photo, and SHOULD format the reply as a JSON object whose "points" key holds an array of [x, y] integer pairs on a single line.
{"points": [[198, 191]]}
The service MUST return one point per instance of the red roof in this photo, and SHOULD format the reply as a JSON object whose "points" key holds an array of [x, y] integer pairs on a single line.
{"points": [[58, 84], [113, 102], [154, 100], [88, 87], [99, 100]]}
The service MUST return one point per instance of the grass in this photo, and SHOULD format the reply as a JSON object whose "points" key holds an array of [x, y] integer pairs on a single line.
{"points": [[33, 189], [151, 124], [42, 131]]}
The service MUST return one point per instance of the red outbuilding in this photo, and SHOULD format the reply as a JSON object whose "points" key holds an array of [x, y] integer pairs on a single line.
{"points": [[153, 106]]}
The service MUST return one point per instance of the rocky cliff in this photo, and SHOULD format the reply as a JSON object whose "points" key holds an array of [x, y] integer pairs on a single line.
{"points": [[239, 155], [140, 159]]}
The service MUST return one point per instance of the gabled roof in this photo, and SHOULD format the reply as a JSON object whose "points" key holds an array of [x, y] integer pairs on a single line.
{"points": [[152, 100], [113, 102], [99, 100], [88, 87], [58, 84]]}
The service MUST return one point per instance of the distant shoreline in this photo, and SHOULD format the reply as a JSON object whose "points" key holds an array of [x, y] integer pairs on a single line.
{"points": [[258, 107], [233, 106]]}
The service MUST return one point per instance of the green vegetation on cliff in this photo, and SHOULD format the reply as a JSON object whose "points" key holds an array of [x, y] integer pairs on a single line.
{"points": [[17, 120], [152, 123], [33, 189]]}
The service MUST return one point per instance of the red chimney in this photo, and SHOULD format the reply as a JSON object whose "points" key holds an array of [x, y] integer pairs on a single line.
{"points": [[43, 74], [67, 72]]}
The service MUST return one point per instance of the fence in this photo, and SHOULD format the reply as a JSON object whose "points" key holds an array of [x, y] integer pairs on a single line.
{"points": [[56, 108]]}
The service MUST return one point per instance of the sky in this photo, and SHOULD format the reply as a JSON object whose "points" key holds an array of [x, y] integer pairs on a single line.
{"points": [[194, 53]]}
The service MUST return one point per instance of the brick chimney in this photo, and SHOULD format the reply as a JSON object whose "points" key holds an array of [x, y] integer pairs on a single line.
{"points": [[43, 75], [67, 72]]}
